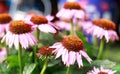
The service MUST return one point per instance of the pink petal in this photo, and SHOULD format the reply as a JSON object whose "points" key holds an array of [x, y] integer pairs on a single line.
{"points": [[65, 59], [30, 40], [79, 59], [49, 17], [106, 36], [79, 14], [21, 41], [56, 45], [16, 41], [63, 55], [7, 37], [59, 53], [83, 53], [3, 39], [46, 28], [11, 41], [60, 13], [57, 49], [33, 40], [72, 56]]}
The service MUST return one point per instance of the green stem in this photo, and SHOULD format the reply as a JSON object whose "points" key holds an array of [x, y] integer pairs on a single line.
{"points": [[20, 58], [38, 34], [95, 41], [34, 54], [36, 47], [101, 48], [72, 28], [68, 70], [44, 66]]}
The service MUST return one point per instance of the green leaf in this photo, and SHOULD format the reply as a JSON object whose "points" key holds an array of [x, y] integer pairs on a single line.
{"points": [[12, 61], [117, 68], [53, 62], [104, 63], [28, 69]]}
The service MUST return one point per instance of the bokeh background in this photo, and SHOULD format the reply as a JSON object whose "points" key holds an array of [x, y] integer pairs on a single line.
{"points": [[108, 9]]}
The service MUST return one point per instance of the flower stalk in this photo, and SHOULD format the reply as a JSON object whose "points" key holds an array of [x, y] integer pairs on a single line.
{"points": [[36, 47], [44, 66], [72, 28], [68, 70], [100, 48], [20, 58]]}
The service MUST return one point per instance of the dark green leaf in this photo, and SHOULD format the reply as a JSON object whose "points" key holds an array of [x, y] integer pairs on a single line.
{"points": [[28, 69]]}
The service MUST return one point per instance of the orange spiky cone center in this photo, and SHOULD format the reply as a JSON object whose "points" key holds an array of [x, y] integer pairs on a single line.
{"points": [[102, 73], [19, 27], [105, 24], [72, 5], [39, 19], [5, 18], [72, 43], [45, 51]]}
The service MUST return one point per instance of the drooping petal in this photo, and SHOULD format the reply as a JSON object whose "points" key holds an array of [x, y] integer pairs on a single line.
{"points": [[79, 59], [11, 41], [35, 41], [60, 13], [21, 40], [63, 55], [106, 36], [46, 28], [55, 45], [79, 14], [83, 53], [72, 56], [60, 52], [16, 41]]}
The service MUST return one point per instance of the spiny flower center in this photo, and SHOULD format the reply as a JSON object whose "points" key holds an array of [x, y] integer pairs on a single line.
{"points": [[19, 27], [72, 5], [5, 18], [72, 43], [105, 24], [102, 73], [38, 19], [45, 51]]}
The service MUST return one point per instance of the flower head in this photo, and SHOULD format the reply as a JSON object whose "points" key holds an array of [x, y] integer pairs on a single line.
{"points": [[103, 28], [45, 51], [4, 22], [71, 49], [3, 54], [19, 33], [39, 19], [42, 23], [72, 5], [5, 18], [101, 71], [71, 10]]}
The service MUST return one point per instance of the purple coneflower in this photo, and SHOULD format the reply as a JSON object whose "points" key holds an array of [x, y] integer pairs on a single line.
{"points": [[19, 32], [5, 18], [45, 51], [101, 71], [71, 10], [103, 28], [71, 49], [43, 23]]}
